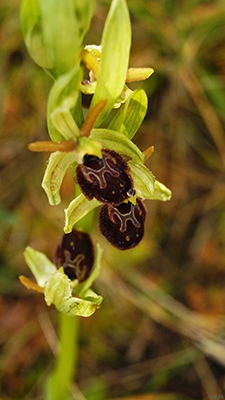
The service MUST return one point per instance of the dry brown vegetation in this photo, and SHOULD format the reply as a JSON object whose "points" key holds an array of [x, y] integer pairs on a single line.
{"points": [[160, 333]]}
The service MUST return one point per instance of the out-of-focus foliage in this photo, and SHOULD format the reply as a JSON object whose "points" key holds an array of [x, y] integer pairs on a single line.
{"points": [[161, 327]]}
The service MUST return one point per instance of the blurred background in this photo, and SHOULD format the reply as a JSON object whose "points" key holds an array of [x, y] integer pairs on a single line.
{"points": [[160, 333]]}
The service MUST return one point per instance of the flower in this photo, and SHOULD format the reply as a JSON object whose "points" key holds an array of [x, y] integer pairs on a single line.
{"points": [[70, 296], [91, 56], [109, 168]]}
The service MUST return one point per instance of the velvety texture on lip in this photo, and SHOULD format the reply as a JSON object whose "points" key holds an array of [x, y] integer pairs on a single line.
{"points": [[107, 178], [123, 225], [75, 253]]}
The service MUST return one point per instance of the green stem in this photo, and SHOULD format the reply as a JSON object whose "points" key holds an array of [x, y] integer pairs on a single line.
{"points": [[66, 361]]}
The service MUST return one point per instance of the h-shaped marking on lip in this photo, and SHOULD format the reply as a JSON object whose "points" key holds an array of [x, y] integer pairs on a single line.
{"points": [[75, 263], [100, 173], [124, 218]]}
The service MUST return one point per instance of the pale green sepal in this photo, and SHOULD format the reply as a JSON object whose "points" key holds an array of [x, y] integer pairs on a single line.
{"points": [[161, 192], [60, 29], [39, 264], [82, 288], [58, 164], [117, 141], [77, 209], [131, 114], [116, 42], [81, 307], [143, 179], [57, 289], [62, 99]]}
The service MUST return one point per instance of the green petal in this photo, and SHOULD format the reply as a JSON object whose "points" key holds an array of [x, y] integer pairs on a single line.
{"points": [[40, 266], [113, 140], [56, 169], [144, 181], [62, 99], [161, 192], [131, 114], [77, 209], [116, 42]]}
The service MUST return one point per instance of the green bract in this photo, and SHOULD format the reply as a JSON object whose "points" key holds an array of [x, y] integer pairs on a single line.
{"points": [[116, 42], [54, 31], [59, 290]]}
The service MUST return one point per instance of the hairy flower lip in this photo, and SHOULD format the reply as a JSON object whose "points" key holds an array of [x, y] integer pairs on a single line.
{"points": [[75, 253], [107, 179], [123, 225]]}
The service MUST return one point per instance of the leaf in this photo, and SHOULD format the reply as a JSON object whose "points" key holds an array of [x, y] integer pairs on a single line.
{"points": [[40, 266], [131, 114], [56, 169], [77, 209], [113, 140], [62, 98], [116, 42]]}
